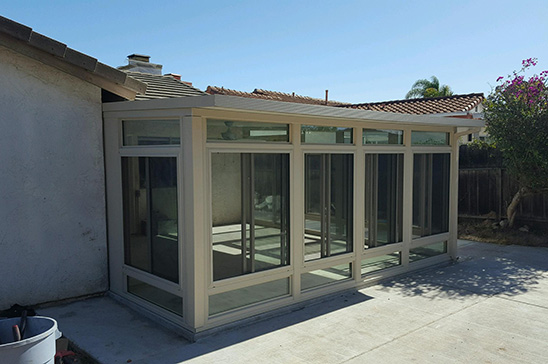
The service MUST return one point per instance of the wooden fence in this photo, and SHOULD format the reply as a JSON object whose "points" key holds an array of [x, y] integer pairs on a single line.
{"points": [[482, 190]]}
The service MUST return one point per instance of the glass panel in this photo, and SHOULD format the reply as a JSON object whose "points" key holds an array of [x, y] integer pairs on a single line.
{"points": [[376, 136], [381, 262], [324, 276], [427, 251], [430, 194], [429, 138], [383, 199], [326, 134], [151, 132], [250, 210], [225, 301], [150, 215], [227, 130], [155, 295], [329, 204]]}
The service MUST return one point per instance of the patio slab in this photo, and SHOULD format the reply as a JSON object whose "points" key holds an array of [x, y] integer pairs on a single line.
{"points": [[491, 306]]}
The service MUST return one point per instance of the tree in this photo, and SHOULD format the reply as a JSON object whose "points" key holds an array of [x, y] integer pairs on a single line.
{"points": [[516, 114], [425, 88]]}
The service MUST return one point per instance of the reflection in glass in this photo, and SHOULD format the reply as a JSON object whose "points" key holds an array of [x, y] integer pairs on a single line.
{"points": [[375, 136], [243, 131], [225, 301], [150, 215], [326, 134], [430, 194], [151, 132], [155, 295], [427, 251], [325, 276], [329, 204], [429, 138], [383, 199], [250, 211], [375, 264]]}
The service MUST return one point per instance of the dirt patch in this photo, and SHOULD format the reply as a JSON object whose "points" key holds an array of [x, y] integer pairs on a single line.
{"points": [[490, 231]]}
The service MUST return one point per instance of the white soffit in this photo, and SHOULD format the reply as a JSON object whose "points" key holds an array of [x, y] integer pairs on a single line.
{"points": [[287, 108]]}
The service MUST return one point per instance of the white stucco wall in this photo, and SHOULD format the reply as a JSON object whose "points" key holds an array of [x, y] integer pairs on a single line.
{"points": [[52, 195]]}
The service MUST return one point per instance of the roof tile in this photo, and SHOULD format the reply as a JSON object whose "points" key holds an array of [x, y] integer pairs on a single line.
{"points": [[47, 44], [437, 105], [80, 59], [272, 95], [160, 87], [15, 29], [40, 45]]}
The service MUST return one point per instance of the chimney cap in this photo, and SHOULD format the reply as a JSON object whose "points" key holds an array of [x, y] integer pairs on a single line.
{"points": [[139, 57]]}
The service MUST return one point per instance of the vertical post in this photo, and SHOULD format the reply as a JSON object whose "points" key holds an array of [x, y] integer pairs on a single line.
{"points": [[196, 242], [407, 198], [251, 207], [453, 198], [359, 177], [115, 222], [244, 188], [296, 208], [327, 207]]}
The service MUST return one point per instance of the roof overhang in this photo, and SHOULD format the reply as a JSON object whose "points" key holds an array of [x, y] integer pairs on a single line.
{"points": [[288, 108], [24, 40]]}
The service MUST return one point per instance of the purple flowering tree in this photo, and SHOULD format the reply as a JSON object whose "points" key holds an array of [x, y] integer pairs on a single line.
{"points": [[516, 114]]}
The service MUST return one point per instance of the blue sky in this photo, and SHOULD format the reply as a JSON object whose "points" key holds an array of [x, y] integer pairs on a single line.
{"points": [[362, 51]]}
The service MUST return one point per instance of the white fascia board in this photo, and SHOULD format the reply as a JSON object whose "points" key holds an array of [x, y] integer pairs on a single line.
{"points": [[270, 106]]}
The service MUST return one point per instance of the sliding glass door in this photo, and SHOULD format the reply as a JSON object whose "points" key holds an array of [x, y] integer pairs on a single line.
{"points": [[250, 212], [383, 199], [328, 205]]}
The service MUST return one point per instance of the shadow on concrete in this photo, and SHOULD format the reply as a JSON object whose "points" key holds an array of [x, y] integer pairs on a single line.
{"points": [[251, 329], [481, 270]]}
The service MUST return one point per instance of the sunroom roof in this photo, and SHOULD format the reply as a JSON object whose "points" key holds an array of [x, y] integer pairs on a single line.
{"points": [[279, 107]]}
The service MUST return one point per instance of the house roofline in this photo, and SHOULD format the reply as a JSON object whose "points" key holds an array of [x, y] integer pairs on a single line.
{"points": [[281, 107], [24, 40]]}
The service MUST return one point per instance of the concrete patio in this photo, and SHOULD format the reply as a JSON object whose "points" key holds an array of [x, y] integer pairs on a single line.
{"points": [[490, 307]]}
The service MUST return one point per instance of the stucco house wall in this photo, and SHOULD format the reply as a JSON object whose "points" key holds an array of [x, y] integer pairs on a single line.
{"points": [[52, 199]]}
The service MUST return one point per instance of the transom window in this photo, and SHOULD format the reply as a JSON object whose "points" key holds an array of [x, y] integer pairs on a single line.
{"points": [[316, 134], [244, 131], [151, 132]]}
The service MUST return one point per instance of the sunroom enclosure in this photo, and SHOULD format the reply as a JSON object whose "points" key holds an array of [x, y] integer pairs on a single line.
{"points": [[222, 208]]}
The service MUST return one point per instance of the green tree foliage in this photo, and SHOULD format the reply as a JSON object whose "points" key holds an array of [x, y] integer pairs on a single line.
{"points": [[428, 88], [516, 114]]}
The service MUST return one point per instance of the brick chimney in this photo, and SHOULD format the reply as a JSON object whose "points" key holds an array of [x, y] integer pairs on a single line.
{"points": [[141, 63]]}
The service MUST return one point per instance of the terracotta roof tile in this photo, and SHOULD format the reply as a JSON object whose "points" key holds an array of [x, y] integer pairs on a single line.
{"points": [[273, 95], [436, 105]]}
